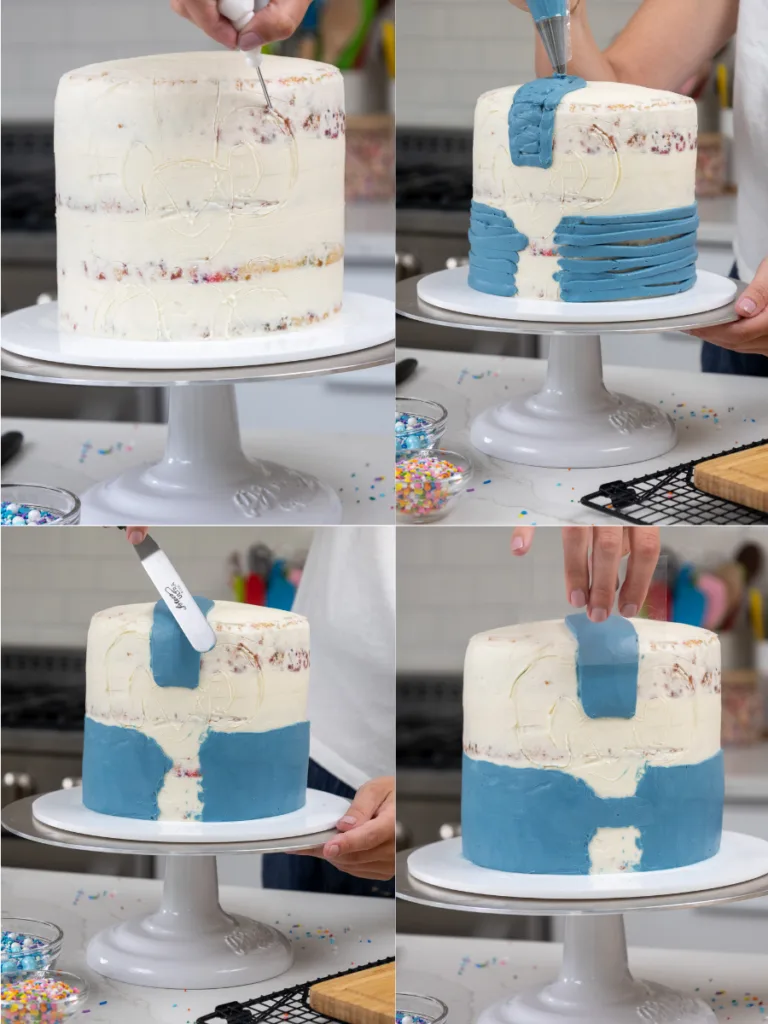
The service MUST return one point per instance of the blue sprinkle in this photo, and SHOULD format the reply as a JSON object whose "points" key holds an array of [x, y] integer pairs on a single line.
{"points": [[486, 481]]}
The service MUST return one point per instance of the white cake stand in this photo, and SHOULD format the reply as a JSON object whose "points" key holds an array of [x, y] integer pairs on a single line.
{"points": [[594, 985], [190, 942], [204, 476], [573, 421]]}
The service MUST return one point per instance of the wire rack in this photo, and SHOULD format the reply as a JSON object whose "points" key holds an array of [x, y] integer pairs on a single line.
{"points": [[290, 1004], [669, 496]]}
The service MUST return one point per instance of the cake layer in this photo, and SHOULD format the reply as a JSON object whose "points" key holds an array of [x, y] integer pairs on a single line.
{"points": [[196, 722], [178, 174]]}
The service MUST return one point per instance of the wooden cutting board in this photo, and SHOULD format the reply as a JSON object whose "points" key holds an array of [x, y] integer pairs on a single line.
{"points": [[366, 997], [742, 477]]}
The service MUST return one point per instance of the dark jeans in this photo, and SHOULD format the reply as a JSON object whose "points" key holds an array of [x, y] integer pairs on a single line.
{"points": [[311, 874], [721, 360]]}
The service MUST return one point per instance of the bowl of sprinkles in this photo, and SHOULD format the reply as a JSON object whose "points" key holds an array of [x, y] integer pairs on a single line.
{"points": [[414, 1009], [44, 999], [38, 505], [418, 424], [429, 483], [28, 947]]}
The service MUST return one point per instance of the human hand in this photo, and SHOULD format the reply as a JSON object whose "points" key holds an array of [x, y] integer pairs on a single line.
{"points": [[366, 846], [136, 534], [278, 20], [749, 334], [593, 556]]}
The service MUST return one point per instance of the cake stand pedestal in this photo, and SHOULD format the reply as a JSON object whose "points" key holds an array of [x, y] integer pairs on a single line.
{"points": [[204, 476], [594, 985], [190, 942], [574, 420]]}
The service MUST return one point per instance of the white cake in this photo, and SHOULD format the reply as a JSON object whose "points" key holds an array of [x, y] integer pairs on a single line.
{"points": [[616, 151], [186, 210], [244, 719]]}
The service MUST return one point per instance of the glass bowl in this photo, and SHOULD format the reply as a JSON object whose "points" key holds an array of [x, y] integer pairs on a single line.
{"points": [[40, 1006], [422, 1009], [429, 483], [430, 417], [61, 503], [41, 958]]}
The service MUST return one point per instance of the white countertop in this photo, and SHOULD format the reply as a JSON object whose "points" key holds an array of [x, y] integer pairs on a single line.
{"points": [[362, 929], [470, 974], [54, 454], [715, 412]]}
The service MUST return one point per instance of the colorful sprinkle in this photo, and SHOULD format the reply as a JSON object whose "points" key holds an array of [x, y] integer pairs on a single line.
{"points": [[425, 484], [37, 1000], [15, 514]]}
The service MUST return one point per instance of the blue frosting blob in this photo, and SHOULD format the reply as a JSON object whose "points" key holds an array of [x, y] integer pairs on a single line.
{"points": [[547, 9], [254, 774], [172, 658], [123, 771], [532, 119], [607, 661], [495, 244], [541, 821]]}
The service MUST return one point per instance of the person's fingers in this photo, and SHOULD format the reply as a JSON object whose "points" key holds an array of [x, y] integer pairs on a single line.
{"points": [[522, 538], [645, 545], [607, 544], [136, 534], [366, 803], [205, 14], [312, 851], [748, 335], [575, 557], [754, 298], [365, 837], [278, 20], [381, 870]]}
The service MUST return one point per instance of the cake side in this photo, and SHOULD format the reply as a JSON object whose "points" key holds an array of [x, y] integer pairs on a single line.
{"points": [[227, 744], [549, 789], [186, 210]]}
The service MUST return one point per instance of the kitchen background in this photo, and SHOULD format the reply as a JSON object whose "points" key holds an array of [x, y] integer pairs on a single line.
{"points": [[449, 53], [52, 583], [43, 39], [454, 582]]}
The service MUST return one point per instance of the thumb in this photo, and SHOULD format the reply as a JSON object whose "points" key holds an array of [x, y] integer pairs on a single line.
{"points": [[278, 20], [754, 299], [366, 803]]}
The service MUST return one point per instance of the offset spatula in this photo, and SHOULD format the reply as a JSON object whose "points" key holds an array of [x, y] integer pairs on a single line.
{"points": [[177, 597]]}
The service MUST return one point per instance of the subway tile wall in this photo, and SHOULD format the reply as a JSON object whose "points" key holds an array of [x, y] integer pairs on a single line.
{"points": [[54, 580], [454, 582]]}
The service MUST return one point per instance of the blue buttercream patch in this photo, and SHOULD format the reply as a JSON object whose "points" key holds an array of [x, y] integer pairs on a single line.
{"points": [[123, 771], [172, 658], [495, 244], [249, 775], [547, 9], [532, 119], [607, 662], [541, 821]]}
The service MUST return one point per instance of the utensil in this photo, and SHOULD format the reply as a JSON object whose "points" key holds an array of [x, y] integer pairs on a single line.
{"points": [[404, 370], [240, 12], [11, 442], [553, 23]]}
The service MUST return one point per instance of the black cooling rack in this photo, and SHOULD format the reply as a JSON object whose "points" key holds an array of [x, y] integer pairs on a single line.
{"points": [[670, 497], [289, 1005]]}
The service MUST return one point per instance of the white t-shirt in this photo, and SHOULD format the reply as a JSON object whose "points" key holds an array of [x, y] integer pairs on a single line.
{"points": [[347, 592], [750, 129]]}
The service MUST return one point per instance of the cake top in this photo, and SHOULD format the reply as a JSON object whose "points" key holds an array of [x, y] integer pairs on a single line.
{"points": [[651, 634], [605, 95], [223, 615]]}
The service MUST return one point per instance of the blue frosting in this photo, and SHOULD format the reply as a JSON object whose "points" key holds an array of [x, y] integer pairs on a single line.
{"points": [[495, 244], [123, 771], [532, 119], [547, 9], [254, 774], [607, 662], [172, 658], [541, 821]]}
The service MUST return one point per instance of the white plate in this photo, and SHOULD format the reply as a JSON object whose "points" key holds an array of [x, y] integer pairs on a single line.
{"points": [[364, 321], [449, 289], [64, 809], [741, 858]]}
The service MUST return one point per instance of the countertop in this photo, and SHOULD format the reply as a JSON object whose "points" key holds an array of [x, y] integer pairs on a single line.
{"points": [[470, 974], [714, 412], [362, 930], [358, 466]]}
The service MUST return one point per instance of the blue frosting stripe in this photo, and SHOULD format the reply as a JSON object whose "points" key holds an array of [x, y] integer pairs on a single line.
{"points": [[495, 244], [607, 663], [541, 821], [172, 659], [531, 119], [123, 771]]}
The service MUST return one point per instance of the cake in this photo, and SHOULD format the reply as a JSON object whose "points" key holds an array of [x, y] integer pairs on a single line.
{"points": [[583, 192], [592, 748], [173, 735], [186, 210]]}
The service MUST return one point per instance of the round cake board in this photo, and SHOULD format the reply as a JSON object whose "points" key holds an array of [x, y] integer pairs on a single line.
{"points": [[740, 859], [449, 289], [64, 809], [364, 321]]}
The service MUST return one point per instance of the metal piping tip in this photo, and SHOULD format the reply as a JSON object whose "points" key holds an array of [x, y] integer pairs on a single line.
{"points": [[554, 36], [264, 87]]}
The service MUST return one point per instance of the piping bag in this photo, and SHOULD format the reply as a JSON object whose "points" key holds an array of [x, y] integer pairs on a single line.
{"points": [[553, 20], [240, 12]]}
